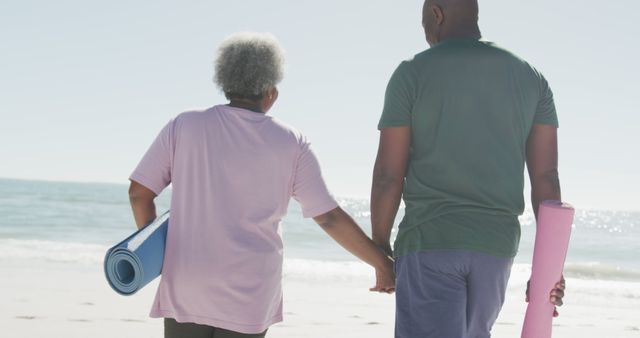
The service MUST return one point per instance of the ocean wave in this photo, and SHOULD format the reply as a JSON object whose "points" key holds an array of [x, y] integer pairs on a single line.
{"points": [[600, 272], [308, 269], [583, 271], [51, 251], [316, 269]]}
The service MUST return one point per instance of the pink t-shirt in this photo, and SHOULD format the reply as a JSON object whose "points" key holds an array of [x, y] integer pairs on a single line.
{"points": [[233, 172]]}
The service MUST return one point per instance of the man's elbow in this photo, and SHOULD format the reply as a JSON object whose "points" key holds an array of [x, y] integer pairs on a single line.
{"points": [[385, 182], [548, 176], [548, 181]]}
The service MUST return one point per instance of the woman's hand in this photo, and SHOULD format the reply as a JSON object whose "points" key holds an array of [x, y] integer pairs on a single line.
{"points": [[385, 278]]}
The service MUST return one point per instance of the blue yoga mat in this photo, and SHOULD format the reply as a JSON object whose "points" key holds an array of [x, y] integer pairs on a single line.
{"points": [[136, 261]]}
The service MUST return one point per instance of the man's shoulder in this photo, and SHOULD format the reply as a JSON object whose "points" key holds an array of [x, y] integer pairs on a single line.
{"points": [[470, 48], [503, 52], [522, 64]]}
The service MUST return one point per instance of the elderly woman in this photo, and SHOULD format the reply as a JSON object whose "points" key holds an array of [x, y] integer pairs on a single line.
{"points": [[234, 169]]}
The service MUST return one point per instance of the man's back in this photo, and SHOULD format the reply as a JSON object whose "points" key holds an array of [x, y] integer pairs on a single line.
{"points": [[470, 106]]}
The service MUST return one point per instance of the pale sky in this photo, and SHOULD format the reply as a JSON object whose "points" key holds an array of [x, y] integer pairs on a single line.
{"points": [[85, 86]]}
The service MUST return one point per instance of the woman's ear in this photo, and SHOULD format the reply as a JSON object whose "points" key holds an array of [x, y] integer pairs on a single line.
{"points": [[270, 98]]}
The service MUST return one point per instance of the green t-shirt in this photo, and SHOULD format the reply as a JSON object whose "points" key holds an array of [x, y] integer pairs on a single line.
{"points": [[470, 106]]}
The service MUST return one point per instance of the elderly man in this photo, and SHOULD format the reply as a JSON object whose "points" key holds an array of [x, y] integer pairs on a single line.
{"points": [[460, 121]]}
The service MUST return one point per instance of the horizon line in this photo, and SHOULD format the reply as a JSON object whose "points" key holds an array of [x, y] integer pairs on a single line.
{"points": [[349, 196]]}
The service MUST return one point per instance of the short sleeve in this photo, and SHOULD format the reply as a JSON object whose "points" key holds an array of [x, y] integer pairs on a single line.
{"points": [[546, 109], [398, 99], [309, 188], [154, 170]]}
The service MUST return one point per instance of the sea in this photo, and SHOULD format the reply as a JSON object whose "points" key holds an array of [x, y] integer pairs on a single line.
{"points": [[76, 223]]}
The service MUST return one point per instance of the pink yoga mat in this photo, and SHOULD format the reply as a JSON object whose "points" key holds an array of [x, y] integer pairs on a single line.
{"points": [[553, 230]]}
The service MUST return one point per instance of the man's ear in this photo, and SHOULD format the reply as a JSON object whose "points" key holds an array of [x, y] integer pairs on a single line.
{"points": [[438, 14]]}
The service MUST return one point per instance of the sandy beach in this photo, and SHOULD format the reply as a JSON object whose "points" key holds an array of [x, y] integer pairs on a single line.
{"points": [[57, 299]]}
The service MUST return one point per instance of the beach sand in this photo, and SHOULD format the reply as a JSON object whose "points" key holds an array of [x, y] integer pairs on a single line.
{"points": [[37, 299]]}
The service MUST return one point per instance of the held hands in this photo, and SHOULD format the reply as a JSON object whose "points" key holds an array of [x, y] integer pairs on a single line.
{"points": [[385, 276], [555, 297]]}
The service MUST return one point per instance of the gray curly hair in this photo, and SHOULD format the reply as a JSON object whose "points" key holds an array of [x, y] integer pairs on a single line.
{"points": [[248, 64]]}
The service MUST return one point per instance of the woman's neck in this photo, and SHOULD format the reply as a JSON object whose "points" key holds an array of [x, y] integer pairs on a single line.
{"points": [[255, 107]]}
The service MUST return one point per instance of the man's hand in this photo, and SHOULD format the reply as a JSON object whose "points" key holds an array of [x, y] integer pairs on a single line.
{"points": [[556, 295], [344, 230], [385, 279]]}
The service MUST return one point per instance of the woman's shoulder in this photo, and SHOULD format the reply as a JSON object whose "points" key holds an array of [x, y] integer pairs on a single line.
{"points": [[294, 133], [196, 113]]}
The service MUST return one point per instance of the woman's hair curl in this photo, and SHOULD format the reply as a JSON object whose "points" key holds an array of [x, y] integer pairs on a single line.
{"points": [[248, 64]]}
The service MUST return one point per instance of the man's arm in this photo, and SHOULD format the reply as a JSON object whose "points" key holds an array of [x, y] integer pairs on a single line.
{"points": [[542, 163], [388, 178], [344, 230], [141, 199]]}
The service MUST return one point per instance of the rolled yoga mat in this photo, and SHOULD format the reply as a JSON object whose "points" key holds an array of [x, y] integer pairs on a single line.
{"points": [[553, 229], [136, 261]]}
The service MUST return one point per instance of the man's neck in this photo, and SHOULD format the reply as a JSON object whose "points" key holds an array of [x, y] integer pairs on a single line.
{"points": [[471, 32]]}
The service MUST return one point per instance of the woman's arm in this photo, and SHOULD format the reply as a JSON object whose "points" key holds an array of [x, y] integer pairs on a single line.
{"points": [[141, 199], [344, 230]]}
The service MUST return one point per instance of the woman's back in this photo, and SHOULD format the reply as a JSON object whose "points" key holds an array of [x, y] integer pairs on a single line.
{"points": [[233, 172]]}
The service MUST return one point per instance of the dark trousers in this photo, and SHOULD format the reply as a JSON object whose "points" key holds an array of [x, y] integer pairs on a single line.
{"points": [[449, 293], [173, 329]]}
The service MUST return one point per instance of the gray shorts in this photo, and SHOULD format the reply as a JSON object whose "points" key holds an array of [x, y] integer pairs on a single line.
{"points": [[449, 293]]}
